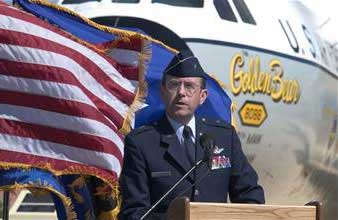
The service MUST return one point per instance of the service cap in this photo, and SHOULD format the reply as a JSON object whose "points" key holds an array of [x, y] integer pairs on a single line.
{"points": [[185, 64]]}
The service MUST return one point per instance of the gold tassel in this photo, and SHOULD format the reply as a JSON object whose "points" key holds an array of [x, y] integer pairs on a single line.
{"points": [[115, 194], [110, 215], [143, 59], [88, 215], [77, 183]]}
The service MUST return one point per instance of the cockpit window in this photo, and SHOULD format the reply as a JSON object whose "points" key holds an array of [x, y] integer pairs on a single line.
{"points": [[224, 10], [181, 3], [244, 12]]}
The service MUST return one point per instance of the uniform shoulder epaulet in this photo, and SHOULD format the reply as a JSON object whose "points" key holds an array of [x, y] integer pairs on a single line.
{"points": [[216, 123], [142, 129]]}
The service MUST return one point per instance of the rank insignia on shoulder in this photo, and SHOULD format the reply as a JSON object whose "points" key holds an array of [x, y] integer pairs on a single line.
{"points": [[219, 162], [216, 123], [218, 150]]}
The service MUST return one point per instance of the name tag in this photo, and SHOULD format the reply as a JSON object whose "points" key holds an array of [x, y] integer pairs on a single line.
{"points": [[160, 174], [220, 162]]}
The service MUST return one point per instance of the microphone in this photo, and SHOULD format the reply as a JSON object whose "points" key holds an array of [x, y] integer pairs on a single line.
{"points": [[208, 144]]}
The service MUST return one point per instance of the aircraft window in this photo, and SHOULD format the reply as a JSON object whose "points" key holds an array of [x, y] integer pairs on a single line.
{"points": [[37, 198], [244, 12], [36, 203], [77, 1], [182, 3], [36, 208], [224, 10]]}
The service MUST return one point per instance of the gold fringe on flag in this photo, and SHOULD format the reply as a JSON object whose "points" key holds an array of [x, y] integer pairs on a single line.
{"points": [[142, 91]]}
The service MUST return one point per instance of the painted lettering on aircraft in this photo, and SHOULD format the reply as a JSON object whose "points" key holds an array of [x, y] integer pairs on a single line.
{"points": [[253, 80]]}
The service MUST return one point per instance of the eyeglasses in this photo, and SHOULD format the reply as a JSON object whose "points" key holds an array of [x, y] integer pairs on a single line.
{"points": [[190, 88]]}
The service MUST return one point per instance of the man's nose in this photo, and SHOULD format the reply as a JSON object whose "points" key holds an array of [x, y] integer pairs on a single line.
{"points": [[181, 90]]}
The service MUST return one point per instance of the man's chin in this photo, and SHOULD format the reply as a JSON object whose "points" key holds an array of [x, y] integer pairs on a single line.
{"points": [[182, 115]]}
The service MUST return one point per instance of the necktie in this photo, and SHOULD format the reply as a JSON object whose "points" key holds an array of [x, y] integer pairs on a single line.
{"points": [[189, 144]]}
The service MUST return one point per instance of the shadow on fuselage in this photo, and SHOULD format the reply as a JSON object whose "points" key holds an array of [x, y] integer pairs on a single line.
{"points": [[151, 28]]}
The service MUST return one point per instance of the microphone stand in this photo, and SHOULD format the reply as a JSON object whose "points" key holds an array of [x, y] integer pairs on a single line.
{"points": [[194, 186], [171, 189]]}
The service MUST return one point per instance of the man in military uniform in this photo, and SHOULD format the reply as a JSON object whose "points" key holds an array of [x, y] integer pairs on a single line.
{"points": [[158, 155]]}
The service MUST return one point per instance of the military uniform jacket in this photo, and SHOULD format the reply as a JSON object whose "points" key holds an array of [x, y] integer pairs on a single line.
{"points": [[154, 160]]}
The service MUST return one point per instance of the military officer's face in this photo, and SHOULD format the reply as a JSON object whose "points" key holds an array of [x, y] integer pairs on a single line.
{"points": [[182, 96]]}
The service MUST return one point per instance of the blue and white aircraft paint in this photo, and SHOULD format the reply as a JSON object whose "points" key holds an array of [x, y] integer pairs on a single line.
{"points": [[280, 72]]}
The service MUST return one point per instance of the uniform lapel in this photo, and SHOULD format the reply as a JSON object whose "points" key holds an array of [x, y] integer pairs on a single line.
{"points": [[200, 130], [174, 148]]}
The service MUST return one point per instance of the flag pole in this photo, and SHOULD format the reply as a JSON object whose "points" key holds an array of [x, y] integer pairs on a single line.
{"points": [[5, 206]]}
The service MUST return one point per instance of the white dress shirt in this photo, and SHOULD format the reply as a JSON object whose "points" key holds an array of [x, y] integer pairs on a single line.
{"points": [[178, 128]]}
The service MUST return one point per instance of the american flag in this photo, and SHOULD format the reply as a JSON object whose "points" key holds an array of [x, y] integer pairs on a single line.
{"points": [[62, 100]]}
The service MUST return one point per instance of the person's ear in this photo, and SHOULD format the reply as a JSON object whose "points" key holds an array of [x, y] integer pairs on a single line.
{"points": [[203, 96]]}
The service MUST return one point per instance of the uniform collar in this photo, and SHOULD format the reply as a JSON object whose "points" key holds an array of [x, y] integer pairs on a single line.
{"points": [[178, 128]]}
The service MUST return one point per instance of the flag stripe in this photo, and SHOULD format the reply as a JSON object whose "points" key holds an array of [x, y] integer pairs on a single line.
{"points": [[128, 61], [44, 88], [132, 44], [65, 107], [92, 72], [59, 151], [129, 71], [32, 26], [100, 62], [55, 135], [116, 110], [61, 121], [125, 57], [37, 71], [44, 72], [58, 165]]}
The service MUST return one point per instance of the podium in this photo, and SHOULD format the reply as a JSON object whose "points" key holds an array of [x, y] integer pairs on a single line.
{"points": [[183, 209]]}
